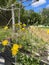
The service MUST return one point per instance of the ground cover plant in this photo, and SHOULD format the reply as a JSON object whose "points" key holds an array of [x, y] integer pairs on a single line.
{"points": [[24, 44]]}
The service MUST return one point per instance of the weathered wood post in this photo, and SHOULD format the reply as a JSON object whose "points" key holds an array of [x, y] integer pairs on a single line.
{"points": [[13, 18]]}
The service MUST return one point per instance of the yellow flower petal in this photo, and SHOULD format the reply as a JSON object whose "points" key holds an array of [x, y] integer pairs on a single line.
{"points": [[6, 27], [23, 29], [14, 52], [15, 46], [15, 49], [47, 31], [24, 25], [5, 42]]}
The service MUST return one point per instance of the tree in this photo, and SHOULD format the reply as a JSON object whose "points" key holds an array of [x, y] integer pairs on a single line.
{"points": [[6, 3], [6, 15], [35, 18], [30, 17], [45, 16]]}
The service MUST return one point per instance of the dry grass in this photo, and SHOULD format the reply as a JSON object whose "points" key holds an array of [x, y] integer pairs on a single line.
{"points": [[40, 32]]}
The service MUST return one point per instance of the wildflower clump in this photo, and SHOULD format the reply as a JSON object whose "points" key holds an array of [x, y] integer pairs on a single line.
{"points": [[23, 29], [5, 42], [24, 25], [15, 49], [6, 27]]}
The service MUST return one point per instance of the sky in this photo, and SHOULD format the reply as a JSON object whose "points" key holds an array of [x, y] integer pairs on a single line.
{"points": [[36, 6]]}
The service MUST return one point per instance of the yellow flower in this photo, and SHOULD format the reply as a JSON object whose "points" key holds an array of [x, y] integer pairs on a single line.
{"points": [[5, 42], [15, 46], [15, 49], [14, 52], [47, 31], [23, 29], [6, 27], [24, 25]]}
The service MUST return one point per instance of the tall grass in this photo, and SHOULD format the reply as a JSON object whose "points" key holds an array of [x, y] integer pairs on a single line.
{"points": [[4, 33]]}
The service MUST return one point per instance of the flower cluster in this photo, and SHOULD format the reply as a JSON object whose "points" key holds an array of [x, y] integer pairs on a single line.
{"points": [[14, 48], [20, 26]]}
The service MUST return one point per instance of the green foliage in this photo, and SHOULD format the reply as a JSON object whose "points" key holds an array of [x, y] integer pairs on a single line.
{"points": [[30, 43], [4, 34], [45, 16], [6, 15], [6, 3], [24, 59], [35, 18], [28, 17]]}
